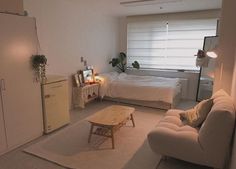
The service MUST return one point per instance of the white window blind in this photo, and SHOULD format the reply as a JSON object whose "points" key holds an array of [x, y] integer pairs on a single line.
{"points": [[167, 44]]}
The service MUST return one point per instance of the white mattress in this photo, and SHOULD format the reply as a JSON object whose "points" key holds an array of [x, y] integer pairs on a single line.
{"points": [[147, 88]]}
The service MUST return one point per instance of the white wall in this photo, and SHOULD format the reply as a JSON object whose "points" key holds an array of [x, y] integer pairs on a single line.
{"points": [[69, 29], [226, 70], [123, 34], [233, 91], [226, 48]]}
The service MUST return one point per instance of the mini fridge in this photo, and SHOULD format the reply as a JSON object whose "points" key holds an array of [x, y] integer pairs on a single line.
{"points": [[55, 103]]}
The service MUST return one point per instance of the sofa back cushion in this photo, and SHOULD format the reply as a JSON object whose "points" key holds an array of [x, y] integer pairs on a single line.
{"points": [[216, 132]]}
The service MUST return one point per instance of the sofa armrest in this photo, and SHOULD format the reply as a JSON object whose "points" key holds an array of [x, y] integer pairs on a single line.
{"points": [[181, 142]]}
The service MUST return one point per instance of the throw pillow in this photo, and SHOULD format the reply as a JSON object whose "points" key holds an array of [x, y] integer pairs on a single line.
{"points": [[196, 116], [219, 93], [188, 116]]}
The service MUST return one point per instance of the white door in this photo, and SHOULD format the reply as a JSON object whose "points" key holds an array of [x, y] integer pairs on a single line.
{"points": [[3, 143], [22, 97]]}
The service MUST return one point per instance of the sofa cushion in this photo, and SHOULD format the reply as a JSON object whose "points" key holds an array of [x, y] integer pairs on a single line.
{"points": [[172, 122], [196, 116]]}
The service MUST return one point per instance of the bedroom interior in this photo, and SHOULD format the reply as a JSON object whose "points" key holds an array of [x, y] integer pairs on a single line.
{"points": [[117, 84]]}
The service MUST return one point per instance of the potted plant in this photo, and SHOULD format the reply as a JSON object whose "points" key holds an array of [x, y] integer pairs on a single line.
{"points": [[39, 63], [121, 61]]}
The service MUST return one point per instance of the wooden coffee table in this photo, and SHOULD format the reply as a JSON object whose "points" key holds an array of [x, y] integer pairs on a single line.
{"points": [[108, 120]]}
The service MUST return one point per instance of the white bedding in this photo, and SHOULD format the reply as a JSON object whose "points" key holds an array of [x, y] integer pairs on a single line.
{"points": [[148, 88]]}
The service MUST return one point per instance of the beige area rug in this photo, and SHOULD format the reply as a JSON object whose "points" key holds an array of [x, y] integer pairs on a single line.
{"points": [[69, 147]]}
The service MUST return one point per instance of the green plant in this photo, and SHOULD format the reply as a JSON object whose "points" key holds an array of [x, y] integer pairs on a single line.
{"points": [[120, 62], [38, 60], [136, 65], [38, 63]]}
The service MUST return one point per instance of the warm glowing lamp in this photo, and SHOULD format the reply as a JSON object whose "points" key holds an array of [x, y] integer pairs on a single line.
{"points": [[212, 54], [211, 45], [97, 77]]}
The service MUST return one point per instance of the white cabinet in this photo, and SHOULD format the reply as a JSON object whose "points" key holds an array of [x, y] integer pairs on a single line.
{"points": [[12, 6], [3, 142], [55, 103], [20, 95]]}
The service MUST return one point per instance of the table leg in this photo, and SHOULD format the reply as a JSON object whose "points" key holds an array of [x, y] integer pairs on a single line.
{"points": [[90, 133], [112, 137], [132, 119]]}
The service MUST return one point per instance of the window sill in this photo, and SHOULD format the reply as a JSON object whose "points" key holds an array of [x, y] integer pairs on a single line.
{"points": [[165, 70]]}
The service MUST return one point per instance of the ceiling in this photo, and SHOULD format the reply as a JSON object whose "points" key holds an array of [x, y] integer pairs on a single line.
{"points": [[165, 6]]}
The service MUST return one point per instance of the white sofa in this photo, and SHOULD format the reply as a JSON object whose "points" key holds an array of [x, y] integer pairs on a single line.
{"points": [[208, 145]]}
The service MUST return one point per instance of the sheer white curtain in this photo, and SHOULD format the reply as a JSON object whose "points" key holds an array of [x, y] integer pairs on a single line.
{"points": [[168, 43]]}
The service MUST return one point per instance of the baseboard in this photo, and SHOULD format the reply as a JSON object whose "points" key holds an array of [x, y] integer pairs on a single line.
{"points": [[22, 143]]}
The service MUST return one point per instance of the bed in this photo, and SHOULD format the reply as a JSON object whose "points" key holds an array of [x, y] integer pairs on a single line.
{"points": [[151, 91]]}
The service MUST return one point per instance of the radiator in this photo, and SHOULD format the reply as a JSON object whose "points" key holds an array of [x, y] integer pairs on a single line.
{"points": [[184, 88]]}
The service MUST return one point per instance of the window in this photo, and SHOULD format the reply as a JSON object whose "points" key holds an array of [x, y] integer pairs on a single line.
{"points": [[169, 43]]}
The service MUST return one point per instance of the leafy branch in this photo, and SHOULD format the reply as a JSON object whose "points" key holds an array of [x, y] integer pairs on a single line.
{"points": [[121, 61]]}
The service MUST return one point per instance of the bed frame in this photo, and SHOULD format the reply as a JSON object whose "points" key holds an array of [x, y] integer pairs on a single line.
{"points": [[152, 104]]}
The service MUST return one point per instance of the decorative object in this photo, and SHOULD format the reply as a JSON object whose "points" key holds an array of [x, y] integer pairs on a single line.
{"points": [[201, 60], [80, 78], [212, 54], [196, 116], [82, 59], [89, 67], [39, 63], [77, 80], [120, 62], [97, 78], [136, 65], [88, 76], [201, 54], [210, 46]]}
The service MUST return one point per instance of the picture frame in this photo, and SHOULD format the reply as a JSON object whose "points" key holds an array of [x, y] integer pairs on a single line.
{"points": [[80, 76], [76, 80], [88, 76]]}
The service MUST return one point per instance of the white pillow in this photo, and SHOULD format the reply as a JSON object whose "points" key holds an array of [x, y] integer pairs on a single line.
{"points": [[110, 76], [122, 75]]}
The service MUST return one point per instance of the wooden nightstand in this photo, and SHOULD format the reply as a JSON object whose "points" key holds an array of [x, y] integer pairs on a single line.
{"points": [[85, 94]]}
